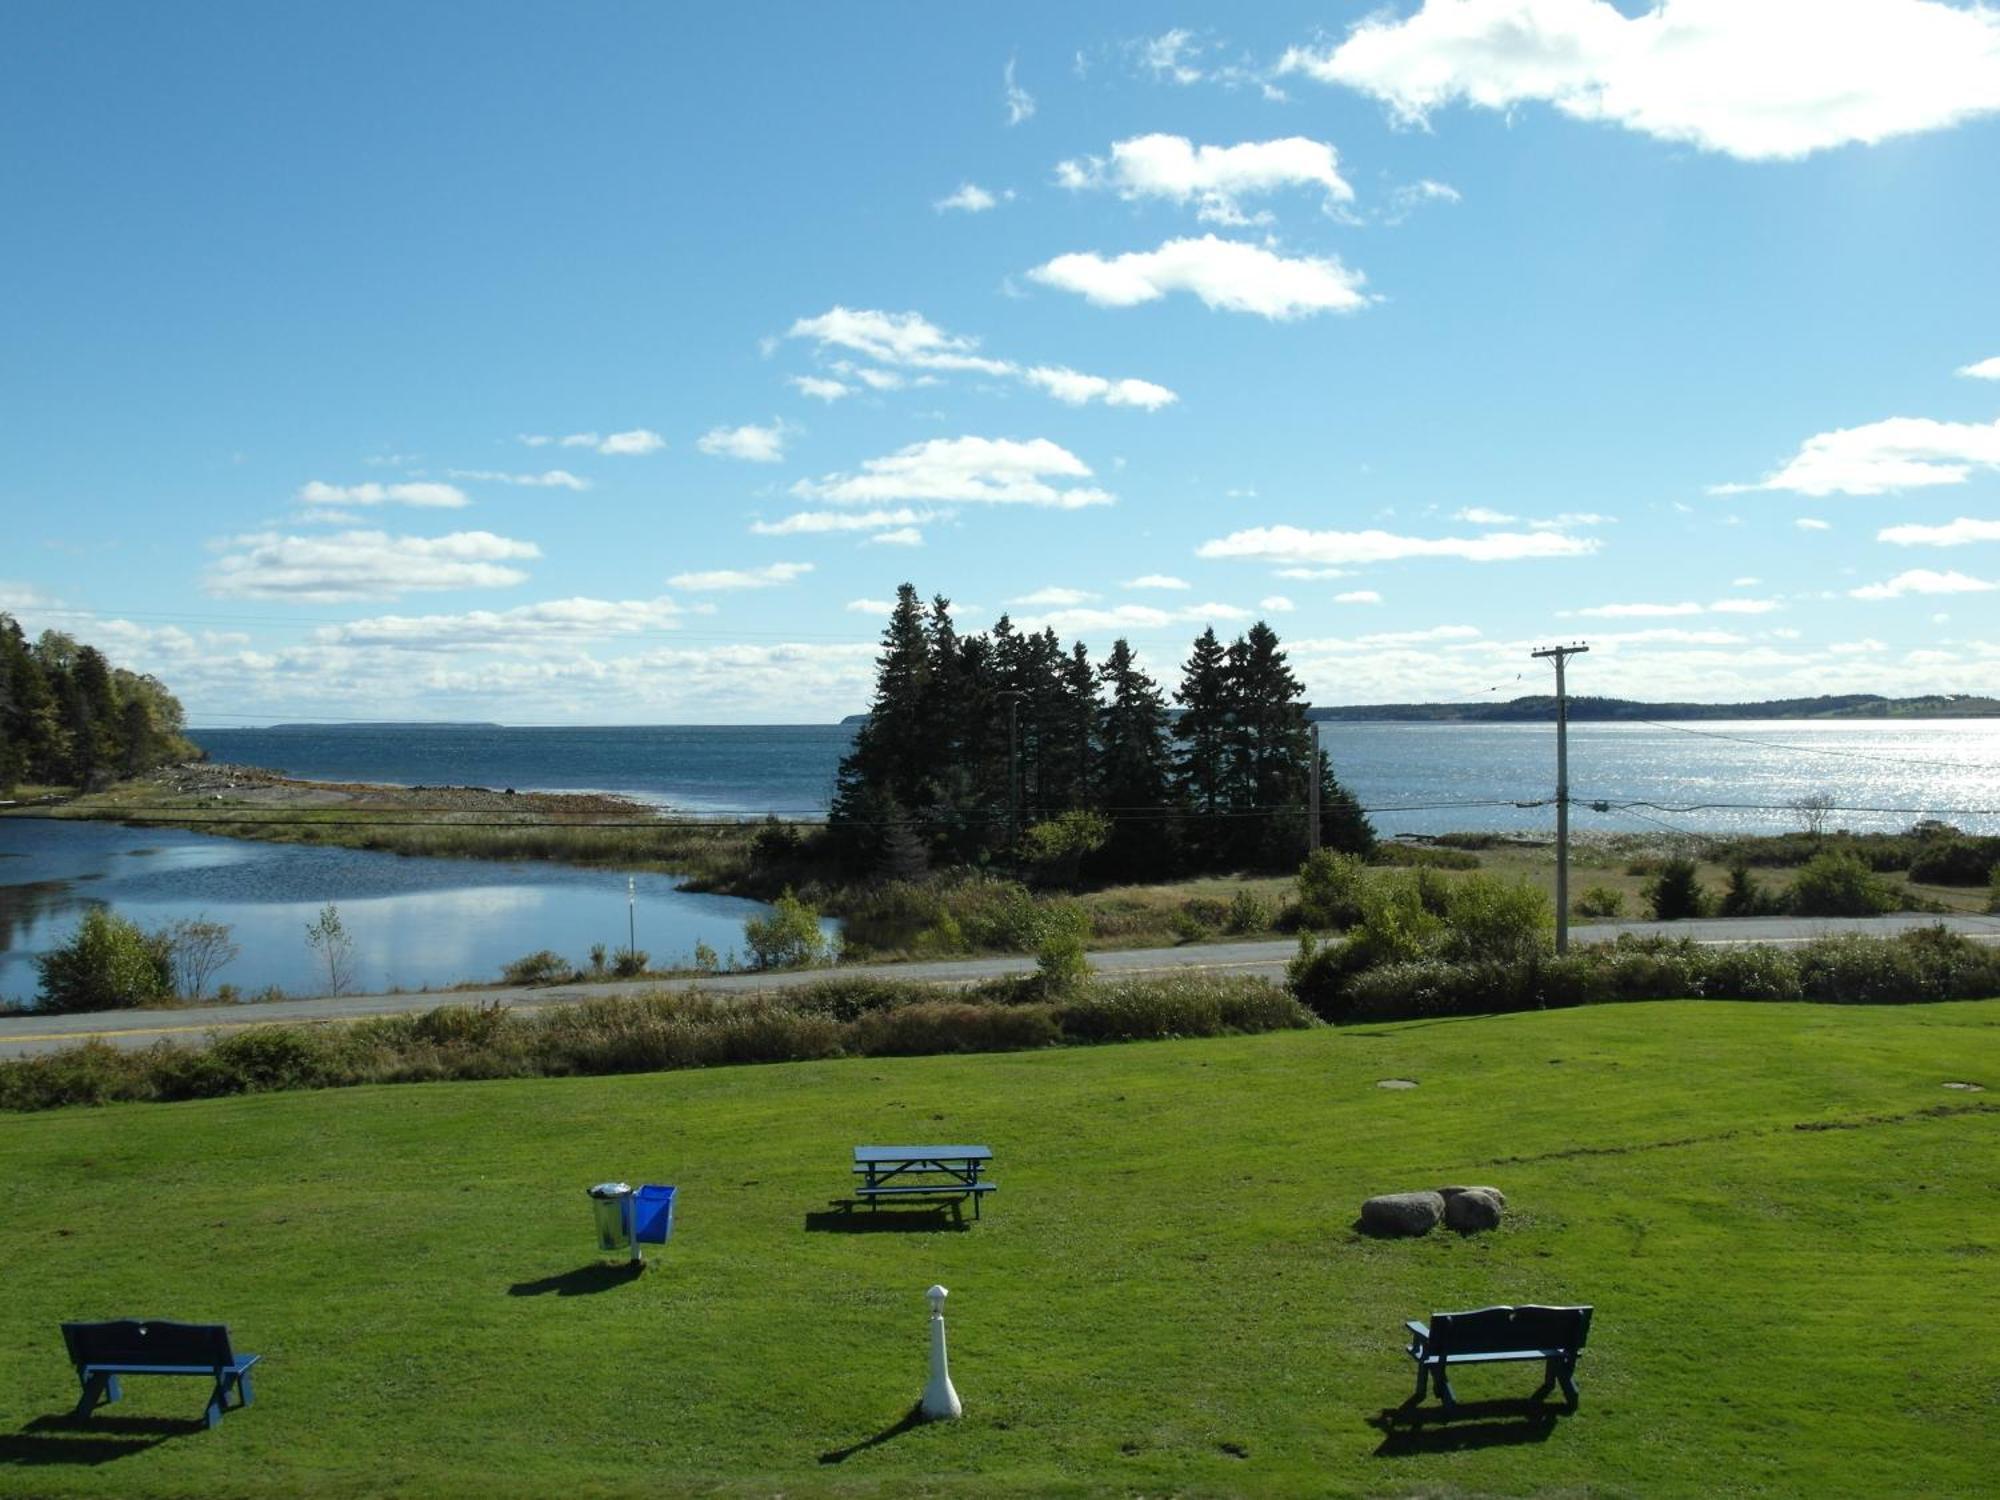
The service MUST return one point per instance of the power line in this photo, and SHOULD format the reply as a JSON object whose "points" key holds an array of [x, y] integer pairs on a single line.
{"points": [[1740, 739]]}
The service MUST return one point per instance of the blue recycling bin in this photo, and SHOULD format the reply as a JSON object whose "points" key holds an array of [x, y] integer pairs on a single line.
{"points": [[653, 1214]]}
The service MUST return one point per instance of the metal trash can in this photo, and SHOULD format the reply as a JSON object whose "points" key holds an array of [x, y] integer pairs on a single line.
{"points": [[612, 1204]]}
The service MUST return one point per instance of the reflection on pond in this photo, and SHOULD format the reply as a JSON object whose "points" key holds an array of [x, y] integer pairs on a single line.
{"points": [[415, 922]]}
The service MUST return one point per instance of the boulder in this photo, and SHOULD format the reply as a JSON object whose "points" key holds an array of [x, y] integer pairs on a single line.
{"points": [[1402, 1213], [1449, 1193], [1473, 1209]]}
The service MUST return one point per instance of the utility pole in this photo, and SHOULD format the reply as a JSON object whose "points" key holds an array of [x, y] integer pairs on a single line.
{"points": [[1560, 654], [1312, 792], [1013, 697]]}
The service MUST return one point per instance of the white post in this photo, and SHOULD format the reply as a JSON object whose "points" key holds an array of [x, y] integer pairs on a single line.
{"points": [[940, 1402], [632, 1225]]}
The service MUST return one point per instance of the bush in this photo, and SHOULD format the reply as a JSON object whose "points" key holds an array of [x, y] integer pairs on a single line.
{"points": [[1184, 1007], [1675, 892], [1248, 912], [1957, 861], [1410, 855], [1330, 887], [1600, 901], [1060, 965], [1744, 897], [790, 937], [1059, 845], [543, 967], [108, 964], [1839, 884], [932, 1027], [1993, 891], [1488, 920], [630, 963]]}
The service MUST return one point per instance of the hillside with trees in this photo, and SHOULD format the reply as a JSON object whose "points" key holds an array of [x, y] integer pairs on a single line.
{"points": [[984, 748], [68, 717]]}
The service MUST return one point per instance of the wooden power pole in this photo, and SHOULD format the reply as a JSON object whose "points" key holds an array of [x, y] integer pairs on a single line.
{"points": [[1560, 654]]}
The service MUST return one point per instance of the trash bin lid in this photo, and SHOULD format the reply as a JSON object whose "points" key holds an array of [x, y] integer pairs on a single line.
{"points": [[609, 1190]]}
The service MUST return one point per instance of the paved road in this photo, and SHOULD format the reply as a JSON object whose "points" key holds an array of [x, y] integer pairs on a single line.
{"points": [[23, 1035]]}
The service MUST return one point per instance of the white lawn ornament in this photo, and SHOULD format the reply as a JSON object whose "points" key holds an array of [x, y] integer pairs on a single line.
{"points": [[940, 1402]]}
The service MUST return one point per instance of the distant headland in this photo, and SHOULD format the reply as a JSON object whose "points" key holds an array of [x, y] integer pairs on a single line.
{"points": [[1542, 707]]}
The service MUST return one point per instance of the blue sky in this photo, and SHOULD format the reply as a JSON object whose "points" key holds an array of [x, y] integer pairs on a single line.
{"points": [[1430, 333]]}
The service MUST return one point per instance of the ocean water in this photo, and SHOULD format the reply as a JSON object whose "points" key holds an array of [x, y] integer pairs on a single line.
{"points": [[1415, 778]]}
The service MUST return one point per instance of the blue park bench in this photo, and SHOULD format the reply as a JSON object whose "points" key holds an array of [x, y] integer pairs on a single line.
{"points": [[102, 1352], [1553, 1335]]}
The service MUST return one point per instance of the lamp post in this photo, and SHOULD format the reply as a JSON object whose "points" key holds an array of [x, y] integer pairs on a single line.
{"points": [[940, 1403]]}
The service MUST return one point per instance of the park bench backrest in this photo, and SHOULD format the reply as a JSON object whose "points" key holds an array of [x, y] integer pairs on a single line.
{"points": [[1493, 1330], [129, 1341]]}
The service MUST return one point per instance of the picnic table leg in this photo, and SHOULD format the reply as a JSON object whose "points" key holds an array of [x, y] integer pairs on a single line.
{"points": [[1550, 1369], [1423, 1384], [1445, 1393], [98, 1390], [243, 1393], [216, 1399]]}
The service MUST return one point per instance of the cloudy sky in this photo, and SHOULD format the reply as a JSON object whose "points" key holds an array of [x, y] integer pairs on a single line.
{"points": [[613, 363]]}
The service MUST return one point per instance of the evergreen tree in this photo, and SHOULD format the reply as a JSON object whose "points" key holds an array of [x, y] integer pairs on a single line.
{"points": [[1269, 752], [1201, 764], [1135, 767], [887, 771]]}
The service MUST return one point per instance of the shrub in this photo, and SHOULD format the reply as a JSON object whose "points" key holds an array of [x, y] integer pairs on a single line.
{"points": [[1190, 1006], [1330, 887], [1751, 973], [543, 967], [1059, 845], [1675, 892], [597, 957], [1409, 855], [1488, 920], [930, 1027], [630, 963], [1993, 890], [1060, 964], [849, 997], [1839, 884], [1188, 928], [790, 937], [1248, 912], [1744, 897], [1600, 901], [1931, 963], [108, 964], [1396, 922], [195, 949], [1318, 973], [1957, 861], [1431, 988], [706, 960]]}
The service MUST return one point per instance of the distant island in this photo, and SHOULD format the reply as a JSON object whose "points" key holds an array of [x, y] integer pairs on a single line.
{"points": [[391, 724], [1541, 708]]}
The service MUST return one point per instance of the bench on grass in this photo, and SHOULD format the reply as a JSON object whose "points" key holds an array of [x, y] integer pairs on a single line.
{"points": [[922, 1172], [102, 1352], [1494, 1335]]}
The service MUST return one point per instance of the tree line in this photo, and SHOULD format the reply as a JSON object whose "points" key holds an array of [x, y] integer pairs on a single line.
{"points": [[68, 717], [980, 745]]}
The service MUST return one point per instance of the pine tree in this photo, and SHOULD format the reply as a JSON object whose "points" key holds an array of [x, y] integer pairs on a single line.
{"points": [[1135, 767], [887, 771], [1201, 764]]}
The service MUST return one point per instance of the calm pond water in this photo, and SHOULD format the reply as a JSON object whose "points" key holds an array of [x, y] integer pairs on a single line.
{"points": [[414, 922]]}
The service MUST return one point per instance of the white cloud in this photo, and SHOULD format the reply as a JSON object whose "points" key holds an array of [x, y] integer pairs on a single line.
{"points": [[1669, 611], [1923, 581], [757, 445], [1897, 454], [1277, 604], [1310, 574], [1134, 617], [1292, 545], [870, 606], [430, 496], [362, 565], [1169, 56], [526, 624], [1744, 606], [1358, 596], [1773, 80], [1482, 515], [1054, 595], [548, 479], [1411, 196], [816, 522], [1214, 178], [17, 596], [896, 339], [637, 442], [1744, 583], [902, 536], [1075, 389], [1952, 534], [1226, 274], [911, 341], [1000, 471], [971, 198], [819, 387], [1418, 637], [1866, 647], [1156, 581], [1812, 523], [1019, 102], [765, 577], [1985, 369]]}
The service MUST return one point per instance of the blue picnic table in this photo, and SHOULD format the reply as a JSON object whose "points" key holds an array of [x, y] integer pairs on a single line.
{"points": [[922, 1171]]}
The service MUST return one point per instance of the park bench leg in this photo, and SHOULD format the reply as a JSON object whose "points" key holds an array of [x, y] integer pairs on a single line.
{"points": [[98, 1390], [1445, 1393], [1566, 1374]]}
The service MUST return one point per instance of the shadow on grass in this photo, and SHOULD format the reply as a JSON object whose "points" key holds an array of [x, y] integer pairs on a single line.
{"points": [[69, 1439], [1411, 1429], [582, 1282], [937, 1219], [914, 1417]]}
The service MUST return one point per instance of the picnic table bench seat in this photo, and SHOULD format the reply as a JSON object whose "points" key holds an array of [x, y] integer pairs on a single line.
{"points": [[922, 1171], [1489, 1335], [102, 1352]]}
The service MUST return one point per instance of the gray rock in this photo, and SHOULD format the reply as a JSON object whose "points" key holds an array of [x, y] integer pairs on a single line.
{"points": [[1473, 1209], [1449, 1193], [1402, 1213]]}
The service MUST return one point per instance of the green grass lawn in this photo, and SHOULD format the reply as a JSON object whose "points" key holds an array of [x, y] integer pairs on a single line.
{"points": [[1788, 1227]]}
